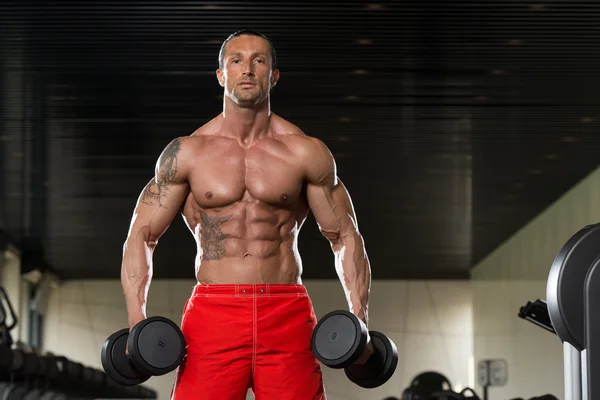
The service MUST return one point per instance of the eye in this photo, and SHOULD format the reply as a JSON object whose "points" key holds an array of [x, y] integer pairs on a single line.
{"points": [[260, 60], [235, 61]]}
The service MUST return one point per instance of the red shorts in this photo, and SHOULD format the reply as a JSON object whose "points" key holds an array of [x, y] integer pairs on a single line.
{"points": [[248, 336]]}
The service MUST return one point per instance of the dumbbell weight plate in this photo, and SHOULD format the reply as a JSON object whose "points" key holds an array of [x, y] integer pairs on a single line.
{"points": [[147, 393], [42, 366], [99, 378], [18, 360], [156, 346], [339, 339], [115, 362], [447, 395], [3, 386], [48, 395], [14, 392], [74, 370], [381, 365], [31, 364], [34, 394], [51, 367], [88, 376], [6, 357]]}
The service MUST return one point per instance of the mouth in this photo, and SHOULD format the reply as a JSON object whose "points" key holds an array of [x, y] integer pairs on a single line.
{"points": [[246, 84]]}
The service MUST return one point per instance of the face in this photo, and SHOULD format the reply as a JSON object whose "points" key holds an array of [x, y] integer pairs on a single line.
{"points": [[246, 74]]}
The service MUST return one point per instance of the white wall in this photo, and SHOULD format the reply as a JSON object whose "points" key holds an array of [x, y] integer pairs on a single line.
{"points": [[430, 322], [529, 253], [534, 356]]}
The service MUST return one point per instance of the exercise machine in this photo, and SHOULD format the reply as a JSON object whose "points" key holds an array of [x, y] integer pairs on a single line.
{"points": [[572, 311]]}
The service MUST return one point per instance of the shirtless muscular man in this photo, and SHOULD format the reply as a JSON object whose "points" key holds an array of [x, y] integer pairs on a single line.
{"points": [[244, 183]]}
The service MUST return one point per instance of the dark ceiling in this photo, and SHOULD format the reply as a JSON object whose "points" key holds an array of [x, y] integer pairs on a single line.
{"points": [[453, 122]]}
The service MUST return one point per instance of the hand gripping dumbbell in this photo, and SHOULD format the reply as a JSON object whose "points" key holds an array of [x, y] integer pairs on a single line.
{"points": [[156, 346], [340, 338]]}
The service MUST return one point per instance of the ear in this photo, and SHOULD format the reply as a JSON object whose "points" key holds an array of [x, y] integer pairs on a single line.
{"points": [[274, 77], [221, 77]]}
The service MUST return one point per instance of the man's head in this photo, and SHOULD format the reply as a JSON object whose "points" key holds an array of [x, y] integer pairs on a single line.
{"points": [[247, 67]]}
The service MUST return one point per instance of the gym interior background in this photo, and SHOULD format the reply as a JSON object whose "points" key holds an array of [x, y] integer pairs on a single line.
{"points": [[466, 133]]}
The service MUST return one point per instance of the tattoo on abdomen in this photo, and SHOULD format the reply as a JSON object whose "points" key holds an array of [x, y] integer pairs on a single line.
{"points": [[212, 238], [158, 187]]}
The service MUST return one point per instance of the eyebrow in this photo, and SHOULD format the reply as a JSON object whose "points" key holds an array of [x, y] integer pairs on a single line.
{"points": [[253, 54]]}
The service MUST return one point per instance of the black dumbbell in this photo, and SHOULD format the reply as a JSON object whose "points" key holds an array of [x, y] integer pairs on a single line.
{"points": [[446, 395], [338, 341], [33, 394], [31, 364], [24, 364], [156, 347], [14, 391], [147, 393]]}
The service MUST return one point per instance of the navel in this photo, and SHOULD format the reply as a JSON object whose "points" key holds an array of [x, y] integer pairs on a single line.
{"points": [[283, 197], [208, 195]]}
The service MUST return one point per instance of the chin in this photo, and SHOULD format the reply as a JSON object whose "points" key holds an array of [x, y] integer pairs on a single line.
{"points": [[247, 100]]}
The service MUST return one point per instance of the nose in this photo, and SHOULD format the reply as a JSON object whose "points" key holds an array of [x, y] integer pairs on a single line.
{"points": [[248, 69]]}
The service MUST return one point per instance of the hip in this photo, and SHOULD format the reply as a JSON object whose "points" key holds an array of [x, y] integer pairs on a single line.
{"points": [[236, 317]]}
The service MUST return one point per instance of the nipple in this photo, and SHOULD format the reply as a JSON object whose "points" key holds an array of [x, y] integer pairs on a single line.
{"points": [[208, 195], [283, 197]]}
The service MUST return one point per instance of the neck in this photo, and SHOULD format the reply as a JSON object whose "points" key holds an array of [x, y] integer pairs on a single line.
{"points": [[246, 124]]}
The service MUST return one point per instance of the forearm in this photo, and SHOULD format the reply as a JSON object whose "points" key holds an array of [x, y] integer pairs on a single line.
{"points": [[354, 270], [136, 274]]}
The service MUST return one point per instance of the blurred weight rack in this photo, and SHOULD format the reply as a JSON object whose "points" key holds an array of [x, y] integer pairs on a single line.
{"points": [[27, 375]]}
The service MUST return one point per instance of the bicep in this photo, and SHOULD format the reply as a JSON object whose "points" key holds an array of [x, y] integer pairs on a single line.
{"points": [[332, 208], [164, 194], [157, 206], [328, 198]]}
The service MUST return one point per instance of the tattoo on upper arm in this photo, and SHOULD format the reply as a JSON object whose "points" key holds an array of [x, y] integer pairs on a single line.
{"points": [[212, 238], [158, 187], [151, 194], [167, 168]]}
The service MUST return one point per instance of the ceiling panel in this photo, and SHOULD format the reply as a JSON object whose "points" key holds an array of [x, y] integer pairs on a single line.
{"points": [[453, 123]]}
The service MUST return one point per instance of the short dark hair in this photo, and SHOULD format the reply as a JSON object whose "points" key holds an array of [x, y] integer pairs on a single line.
{"points": [[249, 32]]}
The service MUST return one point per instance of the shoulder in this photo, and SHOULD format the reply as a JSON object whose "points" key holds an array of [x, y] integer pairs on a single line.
{"points": [[187, 146], [311, 152], [180, 148], [180, 151], [318, 161], [298, 141]]}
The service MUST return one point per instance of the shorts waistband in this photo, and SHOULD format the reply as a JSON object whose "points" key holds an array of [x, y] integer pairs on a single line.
{"points": [[248, 289]]}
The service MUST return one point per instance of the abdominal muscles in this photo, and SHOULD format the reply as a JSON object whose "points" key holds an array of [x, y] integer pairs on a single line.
{"points": [[246, 242]]}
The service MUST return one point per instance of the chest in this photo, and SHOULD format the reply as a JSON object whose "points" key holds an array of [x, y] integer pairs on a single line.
{"points": [[225, 175]]}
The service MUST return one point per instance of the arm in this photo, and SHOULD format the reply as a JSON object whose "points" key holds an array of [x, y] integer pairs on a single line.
{"points": [[155, 209], [332, 208]]}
